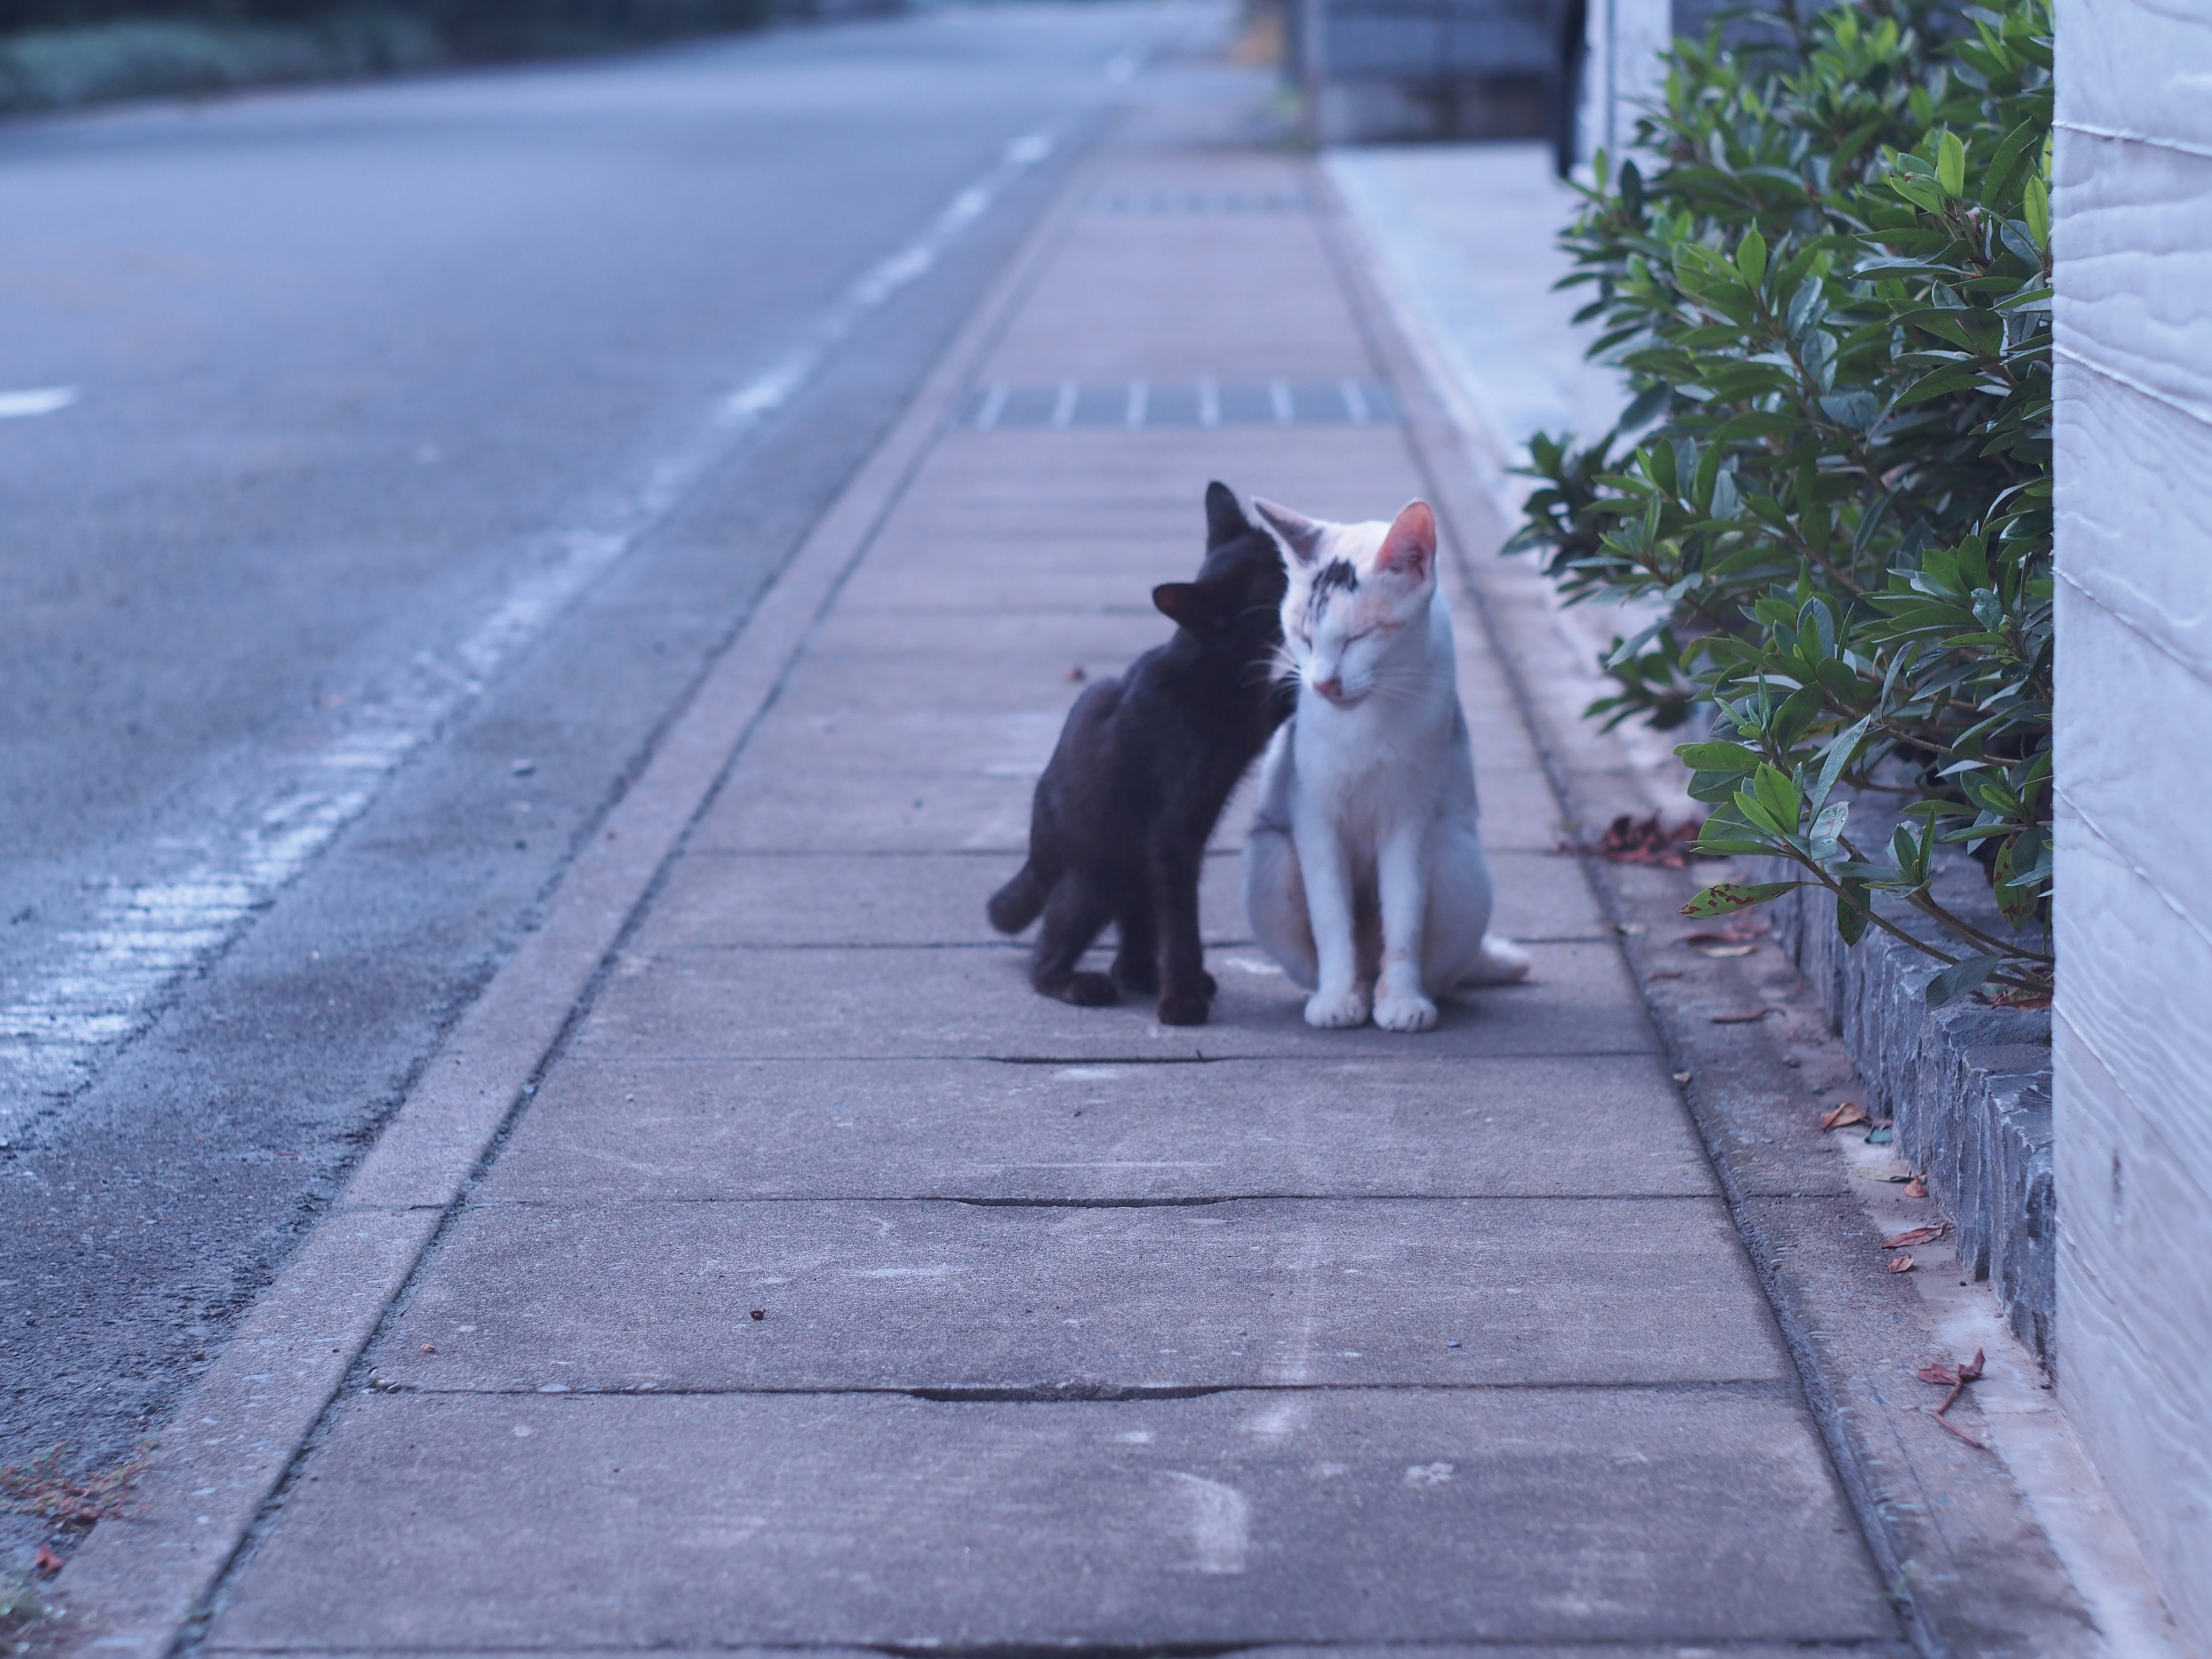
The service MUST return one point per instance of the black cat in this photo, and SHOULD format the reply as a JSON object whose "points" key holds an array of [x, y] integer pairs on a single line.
{"points": [[1144, 763]]}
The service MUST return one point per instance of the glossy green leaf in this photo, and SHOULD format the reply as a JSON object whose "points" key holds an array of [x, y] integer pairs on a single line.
{"points": [[1718, 757], [1961, 979], [1751, 257], [1827, 825], [1951, 164], [1852, 902]]}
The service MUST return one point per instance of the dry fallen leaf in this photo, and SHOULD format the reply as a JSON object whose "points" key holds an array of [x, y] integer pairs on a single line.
{"points": [[1631, 840], [1954, 1377], [1844, 1116], [1915, 1188], [46, 1561], [1902, 1264], [1917, 1236], [427, 1348], [760, 1313], [1733, 940], [1744, 1019]]}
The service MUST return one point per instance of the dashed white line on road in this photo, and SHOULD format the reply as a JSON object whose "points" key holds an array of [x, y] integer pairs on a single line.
{"points": [[104, 980]]}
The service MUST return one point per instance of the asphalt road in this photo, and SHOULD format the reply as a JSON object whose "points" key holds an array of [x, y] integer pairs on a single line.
{"points": [[428, 439]]}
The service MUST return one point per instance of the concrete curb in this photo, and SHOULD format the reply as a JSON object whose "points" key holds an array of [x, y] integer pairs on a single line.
{"points": [[2019, 1553], [141, 1579]]}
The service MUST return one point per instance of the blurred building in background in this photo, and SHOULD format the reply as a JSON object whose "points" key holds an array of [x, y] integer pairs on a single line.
{"points": [[1571, 71], [1436, 69]]}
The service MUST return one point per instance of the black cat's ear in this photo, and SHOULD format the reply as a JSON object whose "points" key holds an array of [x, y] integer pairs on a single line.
{"points": [[1224, 518], [1299, 533], [1189, 605]]}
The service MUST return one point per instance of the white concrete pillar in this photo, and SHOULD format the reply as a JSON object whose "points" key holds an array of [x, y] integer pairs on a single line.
{"points": [[1621, 70], [2133, 1104]]}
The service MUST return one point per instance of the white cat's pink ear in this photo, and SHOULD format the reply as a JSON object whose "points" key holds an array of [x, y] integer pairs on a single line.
{"points": [[1300, 534], [1410, 549]]}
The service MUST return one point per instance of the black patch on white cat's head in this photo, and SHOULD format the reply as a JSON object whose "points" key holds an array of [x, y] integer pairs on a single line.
{"points": [[1336, 576], [1337, 573]]}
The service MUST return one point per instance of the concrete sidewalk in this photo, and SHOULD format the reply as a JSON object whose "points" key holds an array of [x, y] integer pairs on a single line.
{"points": [[831, 1290]]}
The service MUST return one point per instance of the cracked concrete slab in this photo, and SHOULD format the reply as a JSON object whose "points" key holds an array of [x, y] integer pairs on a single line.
{"points": [[1192, 1294], [1407, 1125], [1689, 1516]]}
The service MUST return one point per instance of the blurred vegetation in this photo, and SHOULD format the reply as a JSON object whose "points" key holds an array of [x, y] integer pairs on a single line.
{"points": [[1828, 273], [58, 53]]}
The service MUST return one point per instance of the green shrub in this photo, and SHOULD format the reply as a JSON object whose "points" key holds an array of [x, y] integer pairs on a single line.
{"points": [[59, 53], [58, 69], [1832, 290]]}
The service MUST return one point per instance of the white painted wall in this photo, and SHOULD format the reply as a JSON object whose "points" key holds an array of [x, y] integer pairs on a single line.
{"points": [[2134, 1016]]}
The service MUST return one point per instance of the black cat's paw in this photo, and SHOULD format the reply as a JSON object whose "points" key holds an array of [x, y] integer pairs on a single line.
{"points": [[1136, 975], [1090, 991], [1185, 1008]]}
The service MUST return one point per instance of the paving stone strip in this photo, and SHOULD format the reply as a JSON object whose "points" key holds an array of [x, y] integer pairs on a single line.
{"points": [[832, 1290]]}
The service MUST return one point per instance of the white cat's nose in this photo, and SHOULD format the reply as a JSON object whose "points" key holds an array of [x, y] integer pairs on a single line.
{"points": [[1332, 687]]}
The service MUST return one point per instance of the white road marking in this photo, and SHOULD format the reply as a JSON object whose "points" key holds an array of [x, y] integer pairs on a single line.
{"points": [[35, 400], [103, 981]]}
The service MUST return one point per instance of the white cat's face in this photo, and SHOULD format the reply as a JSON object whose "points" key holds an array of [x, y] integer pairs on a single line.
{"points": [[1354, 589]]}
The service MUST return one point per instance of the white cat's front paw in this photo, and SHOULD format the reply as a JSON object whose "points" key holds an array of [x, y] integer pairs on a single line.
{"points": [[1412, 1013], [1337, 1011]]}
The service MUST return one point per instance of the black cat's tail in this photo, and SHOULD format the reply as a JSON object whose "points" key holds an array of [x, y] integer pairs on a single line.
{"points": [[1019, 902]]}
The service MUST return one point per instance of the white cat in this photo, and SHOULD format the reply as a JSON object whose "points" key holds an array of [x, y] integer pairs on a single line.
{"points": [[1363, 875]]}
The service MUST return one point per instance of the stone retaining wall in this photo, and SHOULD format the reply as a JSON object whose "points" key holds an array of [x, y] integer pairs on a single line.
{"points": [[1968, 1087]]}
